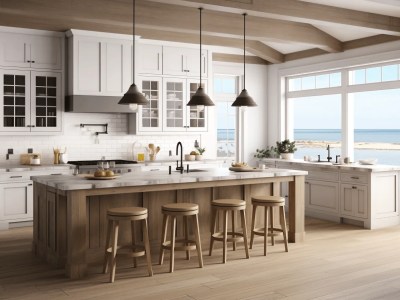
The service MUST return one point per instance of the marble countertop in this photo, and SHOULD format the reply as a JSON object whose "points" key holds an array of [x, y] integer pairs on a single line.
{"points": [[345, 167], [79, 182], [25, 168]]}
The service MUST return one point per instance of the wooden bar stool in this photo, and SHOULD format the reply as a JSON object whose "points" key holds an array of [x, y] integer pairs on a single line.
{"points": [[225, 206], [114, 216], [269, 202], [185, 210]]}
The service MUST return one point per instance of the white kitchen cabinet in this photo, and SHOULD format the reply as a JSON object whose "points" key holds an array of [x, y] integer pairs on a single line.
{"points": [[30, 101], [30, 51], [177, 115], [322, 196], [98, 66], [149, 59], [16, 202], [354, 200], [150, 115], [184, 62]]}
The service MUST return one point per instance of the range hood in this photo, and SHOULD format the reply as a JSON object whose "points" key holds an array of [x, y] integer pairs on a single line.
{"points": [[95, 104]]}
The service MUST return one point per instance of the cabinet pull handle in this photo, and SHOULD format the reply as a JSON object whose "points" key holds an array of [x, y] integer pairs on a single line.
{"points": [[355, 177], [306, 182], [32, 61], [354, 187], [16, 176], [28, 61], [56, 174], [30, 184]]}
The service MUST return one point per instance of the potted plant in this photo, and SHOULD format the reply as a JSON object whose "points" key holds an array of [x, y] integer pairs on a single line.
{"points": [[266, 153], [286, 148], [199, 155]]}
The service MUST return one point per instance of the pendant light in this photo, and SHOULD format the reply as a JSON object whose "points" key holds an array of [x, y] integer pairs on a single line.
{"points": [[200, 98], [133, 97], [244, 98]]}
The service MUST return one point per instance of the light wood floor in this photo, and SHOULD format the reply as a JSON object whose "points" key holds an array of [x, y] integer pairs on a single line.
{"points": [[335, 262]]}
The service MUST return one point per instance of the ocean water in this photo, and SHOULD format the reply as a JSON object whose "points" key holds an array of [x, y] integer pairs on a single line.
{"points": [[386, 157]]}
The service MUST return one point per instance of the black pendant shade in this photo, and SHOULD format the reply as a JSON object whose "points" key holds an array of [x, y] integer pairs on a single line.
{"points": [[244, 98], [200, 98], [133, 95]]}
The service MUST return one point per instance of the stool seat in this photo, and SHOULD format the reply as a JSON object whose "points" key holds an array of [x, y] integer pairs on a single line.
{"points": [[180, 207], [127, 211], [267, 199], [228, 202]]}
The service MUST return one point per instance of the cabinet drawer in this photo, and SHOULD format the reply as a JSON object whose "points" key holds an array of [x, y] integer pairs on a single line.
{"points": [[14, 177], [320, 175], [354, 178]]}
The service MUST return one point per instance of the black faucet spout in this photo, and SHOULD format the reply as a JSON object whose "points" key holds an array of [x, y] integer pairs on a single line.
{"points": [[329, 153], [179, 145]]}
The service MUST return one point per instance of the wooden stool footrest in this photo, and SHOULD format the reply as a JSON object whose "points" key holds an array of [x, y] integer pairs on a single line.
{"points": [[260, 231], [181, 245], [231, 236], [129, 250]]}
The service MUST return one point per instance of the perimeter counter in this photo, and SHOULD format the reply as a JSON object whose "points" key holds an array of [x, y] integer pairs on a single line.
{"points": [[70, 211]]}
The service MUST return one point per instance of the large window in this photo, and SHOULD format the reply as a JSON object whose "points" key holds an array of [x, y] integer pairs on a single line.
{"points": [[225, 92], [354, 110]]}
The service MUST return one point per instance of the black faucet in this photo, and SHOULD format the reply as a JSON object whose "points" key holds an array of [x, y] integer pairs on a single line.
{"points": [[337, 156], [180, 168], [329, 153]]}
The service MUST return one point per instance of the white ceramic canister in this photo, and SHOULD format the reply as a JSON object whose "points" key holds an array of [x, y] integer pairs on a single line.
{"points": [[63, 158]]}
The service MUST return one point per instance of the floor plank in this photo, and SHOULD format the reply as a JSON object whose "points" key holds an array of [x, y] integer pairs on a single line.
{"points": [[335, 262]]}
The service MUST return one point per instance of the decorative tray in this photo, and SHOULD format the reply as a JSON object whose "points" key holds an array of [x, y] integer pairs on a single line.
{"points": [[100, 178], [245, 169]]}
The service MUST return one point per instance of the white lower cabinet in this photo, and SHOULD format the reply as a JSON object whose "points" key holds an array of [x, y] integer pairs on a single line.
{"points": [[354, 200], [16, 202], [322, 196]]}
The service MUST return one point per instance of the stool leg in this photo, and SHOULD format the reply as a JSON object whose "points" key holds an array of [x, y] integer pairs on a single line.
{"points": [[283, 224], [266, 208], [106, 253], [198, 240], [213, 225], [147, 246], [253, 226], [244, 226], [133, 242], [173, 228], [271, 214], [233, 229], [113, 259], [186, 230], [225, 236], [163, 238]]}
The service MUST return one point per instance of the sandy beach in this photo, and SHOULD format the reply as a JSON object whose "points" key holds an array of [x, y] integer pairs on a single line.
{"points": [[363, 145]]}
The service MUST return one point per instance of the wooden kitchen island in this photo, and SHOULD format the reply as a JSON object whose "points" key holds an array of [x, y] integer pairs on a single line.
{"points": [[70, 211]]}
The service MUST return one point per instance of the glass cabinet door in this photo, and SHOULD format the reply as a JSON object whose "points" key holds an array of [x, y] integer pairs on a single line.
{"points": [[45, 102], [197, 116], [14, 100], [175, 104], [150, 114]]}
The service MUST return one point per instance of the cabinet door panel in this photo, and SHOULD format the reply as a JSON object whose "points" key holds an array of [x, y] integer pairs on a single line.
{"points": [[150, 114], [46, 52], [113, 68], [197, 117], [322, 195], [354, 200], [88, 80], [16, 201], [174, 61], [15, 100], [174, 111], [14, 50], [149, 59]]}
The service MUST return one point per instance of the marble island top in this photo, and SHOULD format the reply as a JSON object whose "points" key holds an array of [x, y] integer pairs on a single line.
{"points": [[79, 182]]}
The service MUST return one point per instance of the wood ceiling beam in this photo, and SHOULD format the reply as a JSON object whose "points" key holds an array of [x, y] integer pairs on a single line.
{"points": [[299, 11], [234, 58], [117, 14]]}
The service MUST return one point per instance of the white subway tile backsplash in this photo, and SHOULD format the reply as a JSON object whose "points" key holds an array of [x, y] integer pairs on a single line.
{"points": [[81, 144]]}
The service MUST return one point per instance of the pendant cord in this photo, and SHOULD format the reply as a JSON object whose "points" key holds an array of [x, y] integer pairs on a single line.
{"points": [[244, 51], [201, 9], [133, 48]]}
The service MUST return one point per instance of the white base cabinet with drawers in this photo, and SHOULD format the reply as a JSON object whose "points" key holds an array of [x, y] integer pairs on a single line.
{"points": [[361, 195]]}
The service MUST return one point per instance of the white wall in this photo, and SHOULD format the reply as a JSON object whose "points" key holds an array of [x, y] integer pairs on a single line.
{"points": [[362, 56], [255, 120]]}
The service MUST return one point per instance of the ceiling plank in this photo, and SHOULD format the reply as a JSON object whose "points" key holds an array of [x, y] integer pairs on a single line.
{"points": [[235, 58], [299, 11], [116, 16]]}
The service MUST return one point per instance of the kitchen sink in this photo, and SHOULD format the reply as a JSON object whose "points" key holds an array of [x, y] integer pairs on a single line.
{"points": [[193, 171]]}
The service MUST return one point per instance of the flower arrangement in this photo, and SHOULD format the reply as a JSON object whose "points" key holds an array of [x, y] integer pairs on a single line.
{"points": [[200, 150], [266, 153], [286, 146]]}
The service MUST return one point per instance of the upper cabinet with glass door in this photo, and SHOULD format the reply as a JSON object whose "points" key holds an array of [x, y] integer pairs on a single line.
{"points": [[30, 101], [149, 116]]}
